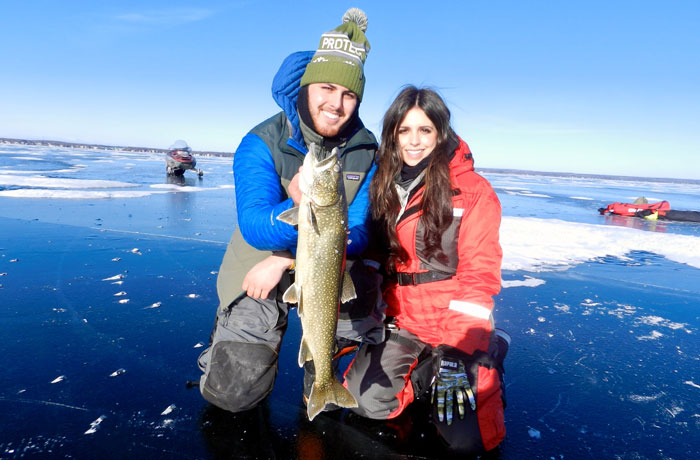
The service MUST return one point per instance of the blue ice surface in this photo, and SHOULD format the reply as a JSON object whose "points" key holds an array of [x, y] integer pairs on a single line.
{"points": [[603, 364]]}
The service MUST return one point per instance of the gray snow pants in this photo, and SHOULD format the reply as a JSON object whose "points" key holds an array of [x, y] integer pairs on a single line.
{"points": [[385, 378], [240, 365]]}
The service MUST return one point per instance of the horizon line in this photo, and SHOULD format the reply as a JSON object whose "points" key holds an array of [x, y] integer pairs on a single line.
{"points": [[7, 140]]}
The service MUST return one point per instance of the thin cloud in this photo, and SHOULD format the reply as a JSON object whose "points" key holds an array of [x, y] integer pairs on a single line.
{"points": [[175, 16]]}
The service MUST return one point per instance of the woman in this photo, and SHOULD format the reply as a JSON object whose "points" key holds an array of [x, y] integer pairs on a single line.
{"points": [[440, 222]]}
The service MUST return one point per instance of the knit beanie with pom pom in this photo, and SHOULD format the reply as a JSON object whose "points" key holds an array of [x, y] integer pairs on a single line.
{"points": [[341, 55]]}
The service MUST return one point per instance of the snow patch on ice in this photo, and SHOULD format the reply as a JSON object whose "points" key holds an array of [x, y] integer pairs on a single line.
{"points": [[663, 322], [72, 194], [165, 423], [168, 409], [535, 195], [53, 171], [60, 378], [534, 244], [644, 399], [183, 188], [53, 183], [622, 311], [94, 426], [692, 384], [527, 282], [652, 336]]}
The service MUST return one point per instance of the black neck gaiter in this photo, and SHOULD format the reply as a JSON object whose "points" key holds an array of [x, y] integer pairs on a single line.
{"points": [[409, 173]]}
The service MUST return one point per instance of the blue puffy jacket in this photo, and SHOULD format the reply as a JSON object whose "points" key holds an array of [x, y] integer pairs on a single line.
{"points": [[260, 196]]}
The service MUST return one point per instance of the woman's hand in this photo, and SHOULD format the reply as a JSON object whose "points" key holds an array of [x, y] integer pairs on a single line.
{"points": [[265, 275]]}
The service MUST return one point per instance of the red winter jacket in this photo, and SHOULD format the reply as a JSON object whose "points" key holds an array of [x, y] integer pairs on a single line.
{"points": [[455, 311]]}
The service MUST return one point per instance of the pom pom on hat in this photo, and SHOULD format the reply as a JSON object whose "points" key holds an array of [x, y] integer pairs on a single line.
{"points": [[341, 55], [357, 16]]}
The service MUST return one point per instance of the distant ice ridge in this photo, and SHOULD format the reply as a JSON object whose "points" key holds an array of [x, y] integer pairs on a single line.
{"points": [[73, 194], [533, 244], [52, 182], [49, 187], [184, 188]]}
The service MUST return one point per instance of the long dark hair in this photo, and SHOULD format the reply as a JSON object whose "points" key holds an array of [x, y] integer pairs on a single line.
{"points": [[436, 205]]}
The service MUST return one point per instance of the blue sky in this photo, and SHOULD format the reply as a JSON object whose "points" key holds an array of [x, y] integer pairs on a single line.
{"points": [[589, 87]]}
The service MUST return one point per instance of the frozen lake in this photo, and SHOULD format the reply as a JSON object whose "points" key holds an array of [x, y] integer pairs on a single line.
{"points": [[107, 282]]}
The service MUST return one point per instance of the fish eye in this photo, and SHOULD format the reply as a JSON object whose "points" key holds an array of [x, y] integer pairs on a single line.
{"points": [[336, 167]]}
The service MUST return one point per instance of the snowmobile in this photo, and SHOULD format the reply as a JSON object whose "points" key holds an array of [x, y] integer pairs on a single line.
{"points": [[179, 159]]}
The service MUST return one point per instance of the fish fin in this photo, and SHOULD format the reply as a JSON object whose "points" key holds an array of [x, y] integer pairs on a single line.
{"points": [[291, 295], [313, 223], [304, 353], [332, 393], [348, 292], [290, 216]]}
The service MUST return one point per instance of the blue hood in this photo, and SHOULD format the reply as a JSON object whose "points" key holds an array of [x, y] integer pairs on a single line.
{"points": [[285, 88]]}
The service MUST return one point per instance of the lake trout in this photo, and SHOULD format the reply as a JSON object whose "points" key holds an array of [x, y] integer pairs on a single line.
{"points": [[321, 282]]}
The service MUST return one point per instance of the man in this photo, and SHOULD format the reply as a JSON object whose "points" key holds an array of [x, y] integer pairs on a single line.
{"points": [[319, 94]]}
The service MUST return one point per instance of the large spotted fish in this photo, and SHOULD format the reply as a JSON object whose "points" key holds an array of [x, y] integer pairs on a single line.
{"points": [[321, 282]]}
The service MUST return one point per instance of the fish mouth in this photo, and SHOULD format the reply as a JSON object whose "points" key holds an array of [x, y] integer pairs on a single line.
{"points": [[327, 163]]}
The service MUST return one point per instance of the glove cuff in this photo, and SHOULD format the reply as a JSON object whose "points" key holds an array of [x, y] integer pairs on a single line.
{"points": [[447, 357]]}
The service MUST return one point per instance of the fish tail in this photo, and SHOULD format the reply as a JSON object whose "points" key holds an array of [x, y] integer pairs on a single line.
{"points": [[333, 393]]}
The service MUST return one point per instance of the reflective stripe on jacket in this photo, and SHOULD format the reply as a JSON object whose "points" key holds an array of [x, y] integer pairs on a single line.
{"points": [[455, 311]]}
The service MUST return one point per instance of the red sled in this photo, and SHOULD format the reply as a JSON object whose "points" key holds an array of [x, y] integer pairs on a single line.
{"points": [[632, 209]]}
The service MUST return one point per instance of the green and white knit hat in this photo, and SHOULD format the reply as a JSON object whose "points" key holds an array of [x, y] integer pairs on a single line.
{"points": [[341, 55]]}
